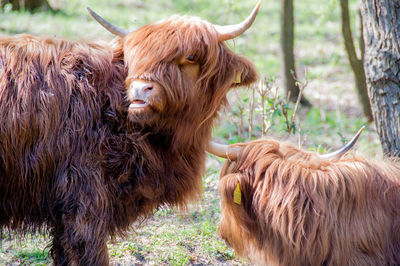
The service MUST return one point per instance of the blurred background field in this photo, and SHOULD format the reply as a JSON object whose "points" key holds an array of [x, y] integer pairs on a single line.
{"points": [[176, 237]]}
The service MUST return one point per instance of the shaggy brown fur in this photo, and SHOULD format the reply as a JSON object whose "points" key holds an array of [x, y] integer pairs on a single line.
{"points": [[75, 158], [300, 209]]}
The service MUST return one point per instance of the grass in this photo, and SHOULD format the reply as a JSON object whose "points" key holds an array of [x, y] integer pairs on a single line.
{"points": [[27, 250], [174, 237], [33, 256]]}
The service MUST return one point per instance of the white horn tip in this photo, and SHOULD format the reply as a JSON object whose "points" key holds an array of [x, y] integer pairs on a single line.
{"points": [[107, 25], [232, 31], [346, 148]]}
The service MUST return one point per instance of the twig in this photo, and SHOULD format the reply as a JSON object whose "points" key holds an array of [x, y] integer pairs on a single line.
{"points": [[241, 109], [264, 88], [251, 111], [302, 86]]}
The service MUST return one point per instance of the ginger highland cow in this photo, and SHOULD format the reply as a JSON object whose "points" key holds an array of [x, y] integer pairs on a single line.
{"points": [[285, 206]]}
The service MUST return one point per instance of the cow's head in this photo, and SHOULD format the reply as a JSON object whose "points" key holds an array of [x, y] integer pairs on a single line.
{"points": [[234, 151], [179, 69]]}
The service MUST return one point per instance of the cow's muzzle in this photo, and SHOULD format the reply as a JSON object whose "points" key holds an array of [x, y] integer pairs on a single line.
{"points": [[139, 93]]}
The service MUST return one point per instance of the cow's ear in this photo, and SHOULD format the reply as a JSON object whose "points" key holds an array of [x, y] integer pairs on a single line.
{"points": [[244, 72], [231, 189], [227, 185]]}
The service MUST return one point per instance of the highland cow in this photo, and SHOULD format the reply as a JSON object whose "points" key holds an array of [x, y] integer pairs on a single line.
{"points": [[285, 206], [94, 136]]}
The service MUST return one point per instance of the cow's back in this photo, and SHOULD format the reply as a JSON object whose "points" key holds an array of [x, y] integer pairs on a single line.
{"points": [[52, 97]]}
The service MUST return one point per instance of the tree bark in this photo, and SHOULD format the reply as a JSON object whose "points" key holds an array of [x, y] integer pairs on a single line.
{"points": [[355, 63], [287, 56], [381, 23]]}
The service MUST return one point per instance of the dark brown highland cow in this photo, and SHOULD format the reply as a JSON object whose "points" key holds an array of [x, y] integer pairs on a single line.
{"points": [[95, 136], [294, 207]]}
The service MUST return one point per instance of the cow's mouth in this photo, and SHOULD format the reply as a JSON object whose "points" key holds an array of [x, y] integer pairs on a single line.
{"points": [[141, 111], [135, 104]]}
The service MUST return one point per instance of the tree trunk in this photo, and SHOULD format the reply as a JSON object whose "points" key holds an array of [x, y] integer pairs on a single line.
{"points": [[381, 23], [35, 4], [287, 56], [30, 5], [355, 63]]}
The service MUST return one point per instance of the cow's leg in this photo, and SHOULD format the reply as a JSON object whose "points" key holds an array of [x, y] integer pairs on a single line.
{"points": [[79, 242], [79, 225]]}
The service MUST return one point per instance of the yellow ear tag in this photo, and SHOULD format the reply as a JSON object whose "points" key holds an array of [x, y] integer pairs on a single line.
{"points": [[237, 195], [238, 77]]}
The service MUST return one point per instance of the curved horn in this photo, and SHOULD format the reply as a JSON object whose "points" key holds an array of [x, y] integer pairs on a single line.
{"points": [[224, 151], [110, 27], [339, 153], [231, 31]]}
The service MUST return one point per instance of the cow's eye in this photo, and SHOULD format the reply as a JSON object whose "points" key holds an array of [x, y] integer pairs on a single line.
{"points": [[190, 58]]}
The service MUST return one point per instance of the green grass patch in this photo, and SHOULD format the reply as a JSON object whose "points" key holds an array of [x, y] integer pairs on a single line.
{"points": [[38, 257]]}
